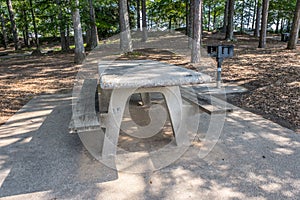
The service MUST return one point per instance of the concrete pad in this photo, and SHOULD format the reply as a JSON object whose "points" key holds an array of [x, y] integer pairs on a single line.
{"points": [[253, 159]]}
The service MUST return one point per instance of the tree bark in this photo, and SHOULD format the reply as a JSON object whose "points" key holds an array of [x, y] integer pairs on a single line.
{"points": [[196, 44], [277, 22], [257, 21], [125, 36], [264, 23], [68, 40], [4, 34], [87, 39], [13, 24], [281, 25], [294, 35], [34, 25], [26, 32], [138, 14], [226, 10], [214, 18], [209, 13], [62, 28], [229, 29], [63, 39], [288, 24], [242, 18], [202, 20], [187, 18], [144, 21], [191, 31], [254, 14], [248, 18], [225, 21], [79, 47], [93, 43]]}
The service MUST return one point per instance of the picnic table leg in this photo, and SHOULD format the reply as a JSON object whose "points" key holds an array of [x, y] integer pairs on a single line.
{"points": [[116, 108], [146, 99], [104, 100], [173, 100]]}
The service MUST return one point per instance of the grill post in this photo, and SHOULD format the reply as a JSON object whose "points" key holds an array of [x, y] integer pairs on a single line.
{"points": [[220, 52]]}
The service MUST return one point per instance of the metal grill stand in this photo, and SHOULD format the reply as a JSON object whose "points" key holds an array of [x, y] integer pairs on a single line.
{"points": [[220, 52]]}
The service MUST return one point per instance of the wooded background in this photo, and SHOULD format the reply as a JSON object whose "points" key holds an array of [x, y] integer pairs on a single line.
{"points": [[25, 22]]}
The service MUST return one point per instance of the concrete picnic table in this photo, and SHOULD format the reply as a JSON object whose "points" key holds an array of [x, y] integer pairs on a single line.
{"points": [[123, 78]]}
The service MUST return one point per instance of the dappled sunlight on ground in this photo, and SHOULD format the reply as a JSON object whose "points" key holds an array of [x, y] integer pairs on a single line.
{"points": [[23, 78]]}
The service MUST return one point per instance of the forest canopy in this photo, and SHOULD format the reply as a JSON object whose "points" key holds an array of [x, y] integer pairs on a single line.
{"points": [[50, 17]]}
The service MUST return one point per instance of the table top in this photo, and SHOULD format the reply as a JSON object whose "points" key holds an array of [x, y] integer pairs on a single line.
{"points": [[145, 74]]}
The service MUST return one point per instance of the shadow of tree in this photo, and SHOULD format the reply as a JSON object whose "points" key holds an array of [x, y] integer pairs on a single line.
{"points": [[46, 157]]}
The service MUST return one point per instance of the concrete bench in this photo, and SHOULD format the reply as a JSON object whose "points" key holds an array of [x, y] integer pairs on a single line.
{"points": [[85, 117], [206, 102]]}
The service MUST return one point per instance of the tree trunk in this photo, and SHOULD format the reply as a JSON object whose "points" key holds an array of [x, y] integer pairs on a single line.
{"points": [[93, 28], [208, 17], [295, 28], [264, 23], [202, 11], [277, 23], [229, 30], [288, 28], [26, 32], [144, 21], [257, 21], [196, 45], [254, 13], [68, 37], [187, 18], [190, 42], [34, 25], [125, 36], [63, 40], [79, 47], [225, 21], [242, 18], [138, 14], [13, 24], [4, 34], [281, 25], [248, 18], [214, 18], [170, 24], [87, 39]]}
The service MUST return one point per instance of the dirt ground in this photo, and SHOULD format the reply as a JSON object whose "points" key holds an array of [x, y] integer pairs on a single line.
{"points": [[22, 78], [272, 76]]}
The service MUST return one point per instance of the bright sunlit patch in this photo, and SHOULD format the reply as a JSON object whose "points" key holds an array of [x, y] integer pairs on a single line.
{"points": [[271, 187], [3, 174], [26, 140], [283, 151]]}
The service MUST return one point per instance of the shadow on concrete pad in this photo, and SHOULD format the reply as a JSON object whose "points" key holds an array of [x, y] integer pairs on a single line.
{"points": [[253, 159], [45, 157]]}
